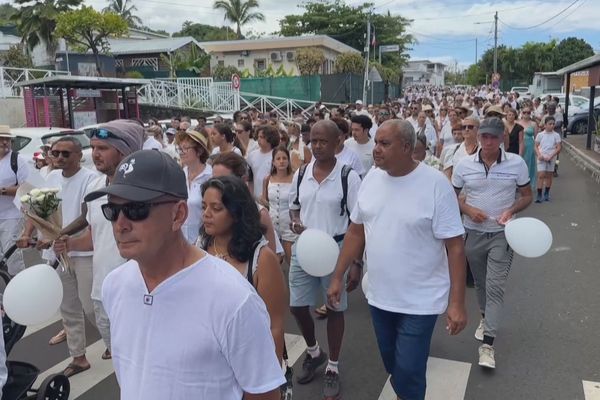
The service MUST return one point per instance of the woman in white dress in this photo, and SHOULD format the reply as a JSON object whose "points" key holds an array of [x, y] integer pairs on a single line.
{"points": [[276, 191], [193, 149]]}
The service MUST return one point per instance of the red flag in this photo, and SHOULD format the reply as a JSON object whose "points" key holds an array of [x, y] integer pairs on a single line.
{"points": [[374, 40]]}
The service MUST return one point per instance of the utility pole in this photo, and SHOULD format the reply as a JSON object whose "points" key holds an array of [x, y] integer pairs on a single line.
{"points": [[496, 42], [475, 50], [368, 50]]}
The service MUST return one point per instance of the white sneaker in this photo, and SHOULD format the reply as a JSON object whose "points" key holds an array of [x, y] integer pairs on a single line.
{"points": [[486, 356], [479, 331]]}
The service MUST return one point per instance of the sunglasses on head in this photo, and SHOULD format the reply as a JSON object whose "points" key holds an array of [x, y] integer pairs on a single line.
{"points": [[131, 211], [104, 134], [63, 153]]}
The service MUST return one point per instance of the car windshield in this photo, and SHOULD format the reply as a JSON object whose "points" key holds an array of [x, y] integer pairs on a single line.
{"points": [[81, 136], [19, 142]]}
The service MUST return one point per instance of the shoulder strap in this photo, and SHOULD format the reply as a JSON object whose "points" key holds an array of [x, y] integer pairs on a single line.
{"points": [[14, 164], [250, 274], [301, 172], [344, 206]]}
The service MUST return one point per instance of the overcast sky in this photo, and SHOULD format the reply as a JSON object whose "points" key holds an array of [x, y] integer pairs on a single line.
{"points": [[446, 30]]}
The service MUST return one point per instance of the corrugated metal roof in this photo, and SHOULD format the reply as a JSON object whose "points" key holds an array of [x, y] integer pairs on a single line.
{"points": [[276, 43], [579, 65], [148, 46], [83, 82]]}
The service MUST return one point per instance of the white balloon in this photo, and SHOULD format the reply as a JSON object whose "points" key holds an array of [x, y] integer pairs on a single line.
{"points": [[528, 237], [34, 295], [317, 252], [365, 283]]}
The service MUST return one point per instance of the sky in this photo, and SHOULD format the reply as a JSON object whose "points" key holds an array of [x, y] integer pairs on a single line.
{"points": [[446, 30]]}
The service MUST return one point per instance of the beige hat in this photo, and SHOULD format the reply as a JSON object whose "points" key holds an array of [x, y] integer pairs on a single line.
{"points": [[494, 109], [426, 107], [5, 131]]}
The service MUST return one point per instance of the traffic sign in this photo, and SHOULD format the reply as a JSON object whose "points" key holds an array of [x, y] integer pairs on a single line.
{"points": [[389, 48], [235, 81]]}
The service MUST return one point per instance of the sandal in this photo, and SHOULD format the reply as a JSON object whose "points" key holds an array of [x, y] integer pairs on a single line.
{"points": [[74, 369], [58, 338], [106, 355]]}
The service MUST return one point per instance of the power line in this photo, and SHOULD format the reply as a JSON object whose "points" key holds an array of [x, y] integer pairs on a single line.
{"points": [[541, 23], [439, 39], [467, 15]]}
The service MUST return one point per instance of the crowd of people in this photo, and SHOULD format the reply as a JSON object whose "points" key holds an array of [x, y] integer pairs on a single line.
{"points": [[180, 236]]}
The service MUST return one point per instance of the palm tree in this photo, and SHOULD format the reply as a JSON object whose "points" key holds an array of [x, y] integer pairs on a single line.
{"points": [[122, 8], [239, 12]]}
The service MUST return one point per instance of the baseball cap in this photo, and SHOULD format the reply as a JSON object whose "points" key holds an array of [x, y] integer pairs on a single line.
{"points": [[171, 131], [143, 176], [358, 102], [5, 131], [492, 126]]}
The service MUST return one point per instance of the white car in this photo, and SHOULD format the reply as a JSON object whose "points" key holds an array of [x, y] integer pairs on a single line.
{"points": [[28, 141], [575, 102]]}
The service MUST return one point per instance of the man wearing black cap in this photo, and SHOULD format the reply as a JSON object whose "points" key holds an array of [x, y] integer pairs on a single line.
{"points": [[490, 179], [111, 142], [184, 324]]}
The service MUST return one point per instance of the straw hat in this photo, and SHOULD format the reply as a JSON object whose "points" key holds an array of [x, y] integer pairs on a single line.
{"points": [[494, 109], [5, 132], [198, 138]]}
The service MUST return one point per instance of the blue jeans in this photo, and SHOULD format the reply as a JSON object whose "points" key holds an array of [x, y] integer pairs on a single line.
{"points": [[404, 341]]}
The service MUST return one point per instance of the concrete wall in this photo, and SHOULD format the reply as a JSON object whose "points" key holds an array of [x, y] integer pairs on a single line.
{"points": [[12, 112]]}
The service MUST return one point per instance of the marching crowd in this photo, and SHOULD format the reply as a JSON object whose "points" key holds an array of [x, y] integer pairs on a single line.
{"points": [[180, 236]]}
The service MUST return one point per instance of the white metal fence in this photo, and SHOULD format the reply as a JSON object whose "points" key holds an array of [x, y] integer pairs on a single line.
{"points": [[9, 77]]}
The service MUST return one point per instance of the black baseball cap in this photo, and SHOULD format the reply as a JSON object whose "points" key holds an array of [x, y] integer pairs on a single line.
{"points": [[143, 176]]}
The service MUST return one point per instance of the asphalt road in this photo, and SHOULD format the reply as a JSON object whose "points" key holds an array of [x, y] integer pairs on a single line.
{"points": [[546, 347]]}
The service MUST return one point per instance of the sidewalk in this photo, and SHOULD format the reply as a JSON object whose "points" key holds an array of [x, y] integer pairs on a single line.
{"points": [[588, 160]]}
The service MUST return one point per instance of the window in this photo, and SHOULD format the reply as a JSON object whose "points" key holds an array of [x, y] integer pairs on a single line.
{"points": [[221, 63], [119, 63], [240, 63], [19, 142], [260, 64]]}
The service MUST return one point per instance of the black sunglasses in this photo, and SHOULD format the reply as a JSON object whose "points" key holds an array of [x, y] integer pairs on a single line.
{"points": [[132, 211], [63, 153], [105, 134], [468, 126]]}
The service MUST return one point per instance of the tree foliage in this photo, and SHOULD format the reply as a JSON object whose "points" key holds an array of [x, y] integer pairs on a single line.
{"points": [[192, 60], [389, 75], [125, 9], [571, 50], [474, 75], [15, 57], [309, 60], [239, 12], [6, 13], [223, 73], [349, 63], [90, 29], [205, 33]]}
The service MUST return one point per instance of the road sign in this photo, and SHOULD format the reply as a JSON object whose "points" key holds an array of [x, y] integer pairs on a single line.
{"points": [[389, 48], [235, 81]]}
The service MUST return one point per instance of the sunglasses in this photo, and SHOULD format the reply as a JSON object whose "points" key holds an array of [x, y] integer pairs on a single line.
{"points": [[468, 126], [105, 134], [131, 211], [63, 153], [526, 112]]}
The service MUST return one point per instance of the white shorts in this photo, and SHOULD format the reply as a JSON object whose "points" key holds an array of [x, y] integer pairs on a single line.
{"points": [[546, 166]]}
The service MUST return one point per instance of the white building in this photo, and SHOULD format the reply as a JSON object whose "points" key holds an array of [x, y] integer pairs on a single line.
{"points": [[423, 72]]}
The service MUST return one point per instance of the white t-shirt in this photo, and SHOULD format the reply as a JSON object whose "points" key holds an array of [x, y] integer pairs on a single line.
{"points": [[152, 144], [252, 145], [351, 158], [261, 168], [72, 191], [460, 153], [191, 227], [320, 203], [446, 134], [408, 266], [414, 122], [217, 150], [202, 334], [364, 151], [8, 210], [547, 142], [447, 155], [106, 254]]}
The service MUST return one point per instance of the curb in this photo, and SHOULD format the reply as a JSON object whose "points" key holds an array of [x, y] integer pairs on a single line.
{"points": [[583, 161]]}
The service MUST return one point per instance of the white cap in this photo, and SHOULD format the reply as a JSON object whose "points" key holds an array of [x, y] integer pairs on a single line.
{"points": [[358, 102]]}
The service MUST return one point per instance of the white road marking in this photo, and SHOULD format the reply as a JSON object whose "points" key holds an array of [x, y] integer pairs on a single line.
{"points": [[295, 345], [591, 390], [446, 380]]}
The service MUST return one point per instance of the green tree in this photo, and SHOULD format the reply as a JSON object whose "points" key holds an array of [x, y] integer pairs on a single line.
{"points": [[192, 60], [6, 13], [125, 10], [239, 12], [204, 33], [36, 22], [349, 63], [15, 57], [474, 75], [223, 73], [309, 60], [571, 50], [89, 29]]}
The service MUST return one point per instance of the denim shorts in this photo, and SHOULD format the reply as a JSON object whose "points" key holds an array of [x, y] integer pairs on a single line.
{"points": [[304, 288], [404, 341]]}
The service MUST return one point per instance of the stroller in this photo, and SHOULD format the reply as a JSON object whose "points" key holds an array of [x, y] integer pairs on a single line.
{"points": [[21, 375]]}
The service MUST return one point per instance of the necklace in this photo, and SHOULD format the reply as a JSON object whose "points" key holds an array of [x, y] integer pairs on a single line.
{"points": [[222, 256]]}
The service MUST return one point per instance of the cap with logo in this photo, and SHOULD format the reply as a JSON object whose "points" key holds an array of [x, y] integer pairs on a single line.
{"points": [[5, 132], [143, 176], [492, 126]]}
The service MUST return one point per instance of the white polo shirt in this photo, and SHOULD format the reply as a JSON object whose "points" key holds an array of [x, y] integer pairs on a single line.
{"points": [[350, 157], [493, 191], [8, 210], [320, 203]]}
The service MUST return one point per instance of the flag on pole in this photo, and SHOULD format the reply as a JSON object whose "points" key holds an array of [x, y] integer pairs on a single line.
{"points": [[374, 40]]}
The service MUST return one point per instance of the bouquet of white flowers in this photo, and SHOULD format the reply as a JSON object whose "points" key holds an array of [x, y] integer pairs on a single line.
{"points": [[42, 208]]}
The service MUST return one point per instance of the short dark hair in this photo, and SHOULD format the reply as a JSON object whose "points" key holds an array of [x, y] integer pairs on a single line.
{"points": [[363, 121], [342, 125], [234, 162], [226, 131], [549, 118], [247, 126], [271, 134], [69, 139]]}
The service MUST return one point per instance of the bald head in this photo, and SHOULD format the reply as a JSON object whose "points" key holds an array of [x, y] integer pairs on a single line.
{"points": [[403, 129], [327, 127]]}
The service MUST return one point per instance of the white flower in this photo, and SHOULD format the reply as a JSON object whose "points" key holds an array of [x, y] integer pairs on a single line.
{"points": [[45, 190], [25, 198], [35, 192], [54, 190], [39, 198]]}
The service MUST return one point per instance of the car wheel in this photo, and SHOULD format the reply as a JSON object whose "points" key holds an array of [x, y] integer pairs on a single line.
{"points": [[579, 128]]}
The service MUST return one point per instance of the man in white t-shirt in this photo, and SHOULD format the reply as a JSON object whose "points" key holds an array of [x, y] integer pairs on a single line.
{"points": [[261, 160], [344, 154], [111, 142], [184, 324], [319, 202], [73, 181], [361, 142], [13, 172], [412, 234], [360, 110]]}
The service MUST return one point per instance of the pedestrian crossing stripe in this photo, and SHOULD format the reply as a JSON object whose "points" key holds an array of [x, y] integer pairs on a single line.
{"points": [[446, 380], [591, 390]]}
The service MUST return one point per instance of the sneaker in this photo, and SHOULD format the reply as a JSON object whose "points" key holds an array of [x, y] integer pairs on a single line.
{"points": [[539, 198], [486, 356], [288, 387], [309, 366], [479, 331], [547, 197], [332, 385]]}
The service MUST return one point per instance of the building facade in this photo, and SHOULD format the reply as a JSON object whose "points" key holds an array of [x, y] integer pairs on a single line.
{"points": [[423, 72]]}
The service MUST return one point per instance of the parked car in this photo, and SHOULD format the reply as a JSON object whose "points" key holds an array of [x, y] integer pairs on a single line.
{"points": [[28, 141], [522, 90], [578, 123], [575, 102]]}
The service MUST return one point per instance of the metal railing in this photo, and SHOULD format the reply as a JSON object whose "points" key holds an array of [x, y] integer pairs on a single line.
{"points": [[9, 77]]}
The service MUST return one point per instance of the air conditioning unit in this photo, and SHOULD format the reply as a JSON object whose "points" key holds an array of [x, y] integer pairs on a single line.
{"points": [[290, 55], [276, 56], [245, 53]]}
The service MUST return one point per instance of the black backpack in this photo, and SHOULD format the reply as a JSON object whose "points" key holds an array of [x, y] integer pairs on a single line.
{"points": [[14, 164], [344, 203]]}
